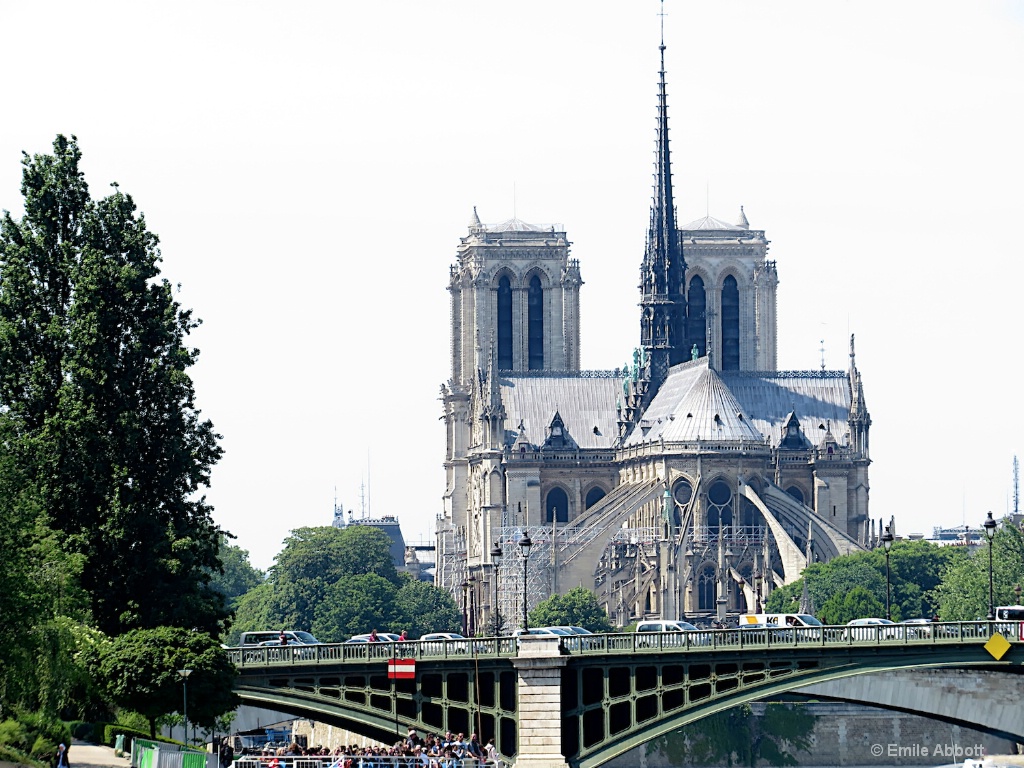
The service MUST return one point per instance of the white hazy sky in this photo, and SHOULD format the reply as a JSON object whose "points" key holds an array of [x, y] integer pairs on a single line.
{"points": [[310, 167]]}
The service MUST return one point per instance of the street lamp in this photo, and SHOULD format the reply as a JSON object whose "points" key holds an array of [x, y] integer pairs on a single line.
{"points": [[465, 595], [496, 555], [990, 533], [184, 707], [887, 543], [524, 551], [471, 623]]}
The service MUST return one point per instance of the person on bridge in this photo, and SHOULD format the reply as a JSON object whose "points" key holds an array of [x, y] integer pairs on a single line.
{"points": [[373, 636], [283, 638], [60, 760]]}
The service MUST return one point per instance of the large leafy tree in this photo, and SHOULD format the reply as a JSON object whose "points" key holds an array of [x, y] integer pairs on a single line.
{"points": [[914, 571], [963, 593], [425, 608], [108, 441], [577, 608], [140, 671], [238, 576]]}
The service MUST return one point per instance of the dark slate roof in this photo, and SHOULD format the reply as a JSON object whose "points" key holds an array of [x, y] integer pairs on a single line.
{"points": [[819, 399], [697, 402], [694, 404], [584, 400]]}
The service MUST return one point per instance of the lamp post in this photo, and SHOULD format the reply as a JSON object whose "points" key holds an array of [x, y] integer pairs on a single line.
{"points": [[887, 543], [496, 555], [471, 622], [184, 706], [465, 595], [990, 533], [524, 551]]}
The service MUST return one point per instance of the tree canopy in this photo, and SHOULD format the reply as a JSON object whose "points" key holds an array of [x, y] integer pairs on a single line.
{"points": [[107, 446], [141, 670], [578, 607]]}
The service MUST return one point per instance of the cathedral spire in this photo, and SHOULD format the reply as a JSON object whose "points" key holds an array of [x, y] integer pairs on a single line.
{"points": [[663, 306]]}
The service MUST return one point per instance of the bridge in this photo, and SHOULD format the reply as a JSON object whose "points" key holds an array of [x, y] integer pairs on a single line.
{"points": [[552, 702]]}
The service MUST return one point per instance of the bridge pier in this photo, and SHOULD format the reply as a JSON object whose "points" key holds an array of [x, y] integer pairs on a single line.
{"points": [[539, 668]]}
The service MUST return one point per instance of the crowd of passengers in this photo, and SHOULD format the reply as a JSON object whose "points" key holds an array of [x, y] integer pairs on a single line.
{"points": [[431, 751]]}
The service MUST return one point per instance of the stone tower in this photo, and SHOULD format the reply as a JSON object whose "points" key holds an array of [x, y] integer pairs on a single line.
{"points": [[514, 293]]}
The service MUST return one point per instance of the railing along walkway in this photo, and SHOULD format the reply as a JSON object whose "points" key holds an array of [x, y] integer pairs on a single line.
{"points": [[737, 639]]}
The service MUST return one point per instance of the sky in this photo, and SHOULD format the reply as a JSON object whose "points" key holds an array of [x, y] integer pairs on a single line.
{"points": [[310, 167]]}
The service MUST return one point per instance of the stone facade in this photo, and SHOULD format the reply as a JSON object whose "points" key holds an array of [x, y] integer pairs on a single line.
{"points": [[689, 481]]}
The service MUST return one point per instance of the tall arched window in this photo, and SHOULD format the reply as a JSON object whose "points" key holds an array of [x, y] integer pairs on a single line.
{"points": [[719, 512], [504, 324], [556, 508], [594, 495], [696, 322], [535, 325], [730, 325], [707, 588]]}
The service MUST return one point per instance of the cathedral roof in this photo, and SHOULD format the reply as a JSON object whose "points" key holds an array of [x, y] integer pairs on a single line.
{"points": [[709, 222], [820, 401], [697, 402], [515, 225], [585, 401], [694, 404]]}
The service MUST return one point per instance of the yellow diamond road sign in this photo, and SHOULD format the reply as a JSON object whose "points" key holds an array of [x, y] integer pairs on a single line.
{"points": [[997, 645]]}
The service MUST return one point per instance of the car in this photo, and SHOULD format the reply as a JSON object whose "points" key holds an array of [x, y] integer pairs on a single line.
{"points": [[872, 628], [439, 642], [675, 634], [299, 650], [918, 627], [382, 637], [263, 636], [574, 630]]}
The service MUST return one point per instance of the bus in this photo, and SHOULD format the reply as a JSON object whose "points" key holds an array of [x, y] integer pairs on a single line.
{"points": [[1010, 613]]}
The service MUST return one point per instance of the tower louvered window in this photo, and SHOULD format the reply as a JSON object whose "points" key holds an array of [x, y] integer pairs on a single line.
{"points": [[730, 325], [504, 324], [535, 324], [696, 319]]}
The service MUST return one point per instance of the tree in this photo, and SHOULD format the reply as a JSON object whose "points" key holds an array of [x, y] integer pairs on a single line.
{"points": [[355, 605], [140, 671], [93, 374], [855, 604], [312, 562], [576, 608], [915, 568], [238, 576], [962, 593], [425, 608]]}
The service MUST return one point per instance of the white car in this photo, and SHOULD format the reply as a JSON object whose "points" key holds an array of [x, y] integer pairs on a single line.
{"points": [[872, 629]]}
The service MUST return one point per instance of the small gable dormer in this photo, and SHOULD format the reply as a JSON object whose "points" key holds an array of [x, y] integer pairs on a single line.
{"points": [[793, 437], [558, 438]]}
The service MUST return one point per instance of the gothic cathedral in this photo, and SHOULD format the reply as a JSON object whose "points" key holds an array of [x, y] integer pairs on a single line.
{"points": [[686, 484]]}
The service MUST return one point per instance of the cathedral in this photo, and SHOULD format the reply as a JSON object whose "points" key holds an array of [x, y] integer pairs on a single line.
{"points": [[687, 483]]}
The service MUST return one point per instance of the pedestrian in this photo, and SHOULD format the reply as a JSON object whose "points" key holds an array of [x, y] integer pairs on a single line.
{"points": [[226, 754], [402, 636], [283, 638], [60, 760], [373, 636]]}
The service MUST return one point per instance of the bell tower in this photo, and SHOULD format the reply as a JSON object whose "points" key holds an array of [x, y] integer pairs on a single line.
{"points": [[514, 294]]}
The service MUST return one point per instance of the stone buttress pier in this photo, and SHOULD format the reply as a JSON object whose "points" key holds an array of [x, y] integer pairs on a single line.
{"points": [[539, 665]]}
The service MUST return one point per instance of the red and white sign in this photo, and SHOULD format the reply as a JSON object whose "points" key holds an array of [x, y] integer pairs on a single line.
{"points": [[401, 669]]}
